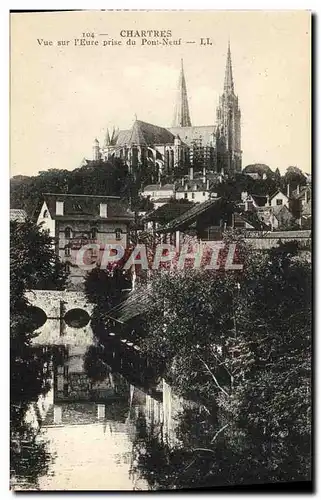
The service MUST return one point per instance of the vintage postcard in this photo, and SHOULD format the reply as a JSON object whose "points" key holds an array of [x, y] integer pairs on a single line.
{"points": [[160, 260]]}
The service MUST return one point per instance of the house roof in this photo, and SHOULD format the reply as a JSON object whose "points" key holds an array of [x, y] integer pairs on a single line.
{"points": [[259, 200], [194, 185], [276, 193], [158, 187], [168, 212], [137, 303], [18, 215], [188, 217], [87, 206], [302, 192]]}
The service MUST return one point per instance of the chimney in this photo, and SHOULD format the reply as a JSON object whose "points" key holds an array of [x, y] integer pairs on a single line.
{"points": [[207, 185], [306, 198], [59, 208], [288, 190], [191, 173], [183, 181], [298, 189], [268, 202], [204, 175], [103, 210]]}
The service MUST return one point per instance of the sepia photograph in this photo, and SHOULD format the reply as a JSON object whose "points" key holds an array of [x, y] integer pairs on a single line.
{"points": [[161, 250]]}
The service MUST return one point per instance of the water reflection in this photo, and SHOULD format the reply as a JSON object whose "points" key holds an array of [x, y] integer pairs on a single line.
{"points": [[80, 431]]}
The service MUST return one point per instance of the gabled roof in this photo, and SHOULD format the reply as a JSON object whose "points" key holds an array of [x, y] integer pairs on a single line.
{"points": [[86, 206], [158, 187], [276, 193], [259, 200], [302, 192], [191, 215], [145, 134], [194, 185], [134, 305], [168, 212]]}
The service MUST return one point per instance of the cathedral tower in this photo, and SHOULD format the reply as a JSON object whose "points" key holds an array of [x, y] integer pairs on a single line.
{"points": [[228, 117], [182, 116]]}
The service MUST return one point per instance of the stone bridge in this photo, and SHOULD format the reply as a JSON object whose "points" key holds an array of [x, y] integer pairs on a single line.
{"points": [[61, 317]]}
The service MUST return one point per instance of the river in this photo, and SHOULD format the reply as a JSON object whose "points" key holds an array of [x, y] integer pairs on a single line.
{"points": [[88, 429]]}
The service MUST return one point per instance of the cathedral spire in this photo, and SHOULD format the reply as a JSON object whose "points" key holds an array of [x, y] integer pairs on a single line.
{"points": [[228, 81], [182, 116]]}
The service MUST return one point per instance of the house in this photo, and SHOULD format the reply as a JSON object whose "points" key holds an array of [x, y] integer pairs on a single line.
{"points": [[164, 214], [277, 199], [275, 217], [75, 220], [157, 191], [206, 221]]}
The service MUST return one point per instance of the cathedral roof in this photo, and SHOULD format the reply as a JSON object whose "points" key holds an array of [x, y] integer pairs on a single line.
{"points": [[145, 134]]}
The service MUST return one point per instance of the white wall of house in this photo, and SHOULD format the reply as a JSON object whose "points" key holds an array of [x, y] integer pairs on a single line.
{"points": [[195, 196], [158, 193], [45, 218], [279, 199]]}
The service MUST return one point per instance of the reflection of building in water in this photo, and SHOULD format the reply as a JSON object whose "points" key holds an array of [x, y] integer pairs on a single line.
{"points": [[161, 410], [71, 382]]}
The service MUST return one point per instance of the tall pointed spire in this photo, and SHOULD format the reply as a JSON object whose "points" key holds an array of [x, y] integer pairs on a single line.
{"points": [[182, 116], [228, 81], [107, 139]]}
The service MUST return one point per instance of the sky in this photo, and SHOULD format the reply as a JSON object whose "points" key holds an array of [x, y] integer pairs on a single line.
{"points": [[62, 97]]}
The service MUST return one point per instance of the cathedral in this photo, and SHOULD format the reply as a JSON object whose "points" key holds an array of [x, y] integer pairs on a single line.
{"points": [[161, 154]]}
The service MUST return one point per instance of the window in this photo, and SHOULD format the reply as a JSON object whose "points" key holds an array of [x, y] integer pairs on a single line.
{"points": [[93, 233], [185, 196], [67, 251], [203, 193], [45, 214], [279, 201], [118, 234], [193, 196], [68, 232], [67, 267]]}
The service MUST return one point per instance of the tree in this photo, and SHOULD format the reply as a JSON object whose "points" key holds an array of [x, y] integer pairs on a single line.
{"points": [[33, 264], [239, 345]]}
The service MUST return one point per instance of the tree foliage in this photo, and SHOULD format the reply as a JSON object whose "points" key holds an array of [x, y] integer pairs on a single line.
{"points": [[239, 345], [33, 264]]}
